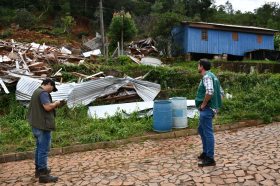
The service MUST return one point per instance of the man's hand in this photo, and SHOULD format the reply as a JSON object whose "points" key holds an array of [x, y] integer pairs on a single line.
{"points": [[202, 106], [205, 101], [51, 106], [57, 104], [63, 102]]}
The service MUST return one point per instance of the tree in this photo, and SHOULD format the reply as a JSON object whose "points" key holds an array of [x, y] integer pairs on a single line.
{"points": [[161, 31], [201, 8], [179, 7], [45, 7], [25, 19], [68, 22], [157, 7], [264, 13], [277, 41], [121, 23], [228, 7]]}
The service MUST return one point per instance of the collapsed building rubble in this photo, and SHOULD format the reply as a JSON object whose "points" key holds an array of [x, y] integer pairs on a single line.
{"points": [[139, 50], [31, 59], [94, 43], [143, 47], [86, 92], [29, 63], [77, 94], [3, 86]]}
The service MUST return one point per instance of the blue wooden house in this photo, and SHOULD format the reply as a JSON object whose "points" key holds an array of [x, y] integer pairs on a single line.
{"points": [[192, 38]]}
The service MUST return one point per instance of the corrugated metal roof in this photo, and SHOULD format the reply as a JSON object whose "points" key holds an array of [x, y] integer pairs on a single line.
{"points": [[26, 86], [229, 26], [86, 92]]}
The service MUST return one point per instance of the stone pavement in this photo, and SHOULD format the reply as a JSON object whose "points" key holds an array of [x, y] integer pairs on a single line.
{"points": [[248, 156]]}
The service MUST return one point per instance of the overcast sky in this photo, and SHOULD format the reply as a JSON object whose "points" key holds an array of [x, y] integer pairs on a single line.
{"points": [[245, 5]]}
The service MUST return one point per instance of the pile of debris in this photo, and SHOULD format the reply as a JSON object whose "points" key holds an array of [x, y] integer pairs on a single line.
{"points": [[143, 47], [28, 63], [33, 60], [94, 43], [139, 50], [84, 93]]}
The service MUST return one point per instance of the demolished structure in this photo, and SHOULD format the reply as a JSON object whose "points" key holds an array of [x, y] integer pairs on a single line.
{"points": [[33, 60], [86, 92], [139, 50]]}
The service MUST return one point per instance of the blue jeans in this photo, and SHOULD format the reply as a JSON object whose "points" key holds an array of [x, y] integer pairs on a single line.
{"points": [[43, 142], [205, 130]]}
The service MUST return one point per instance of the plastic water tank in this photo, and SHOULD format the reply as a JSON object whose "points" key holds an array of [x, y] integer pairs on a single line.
{"points": [[162, 115], [179, 112]]}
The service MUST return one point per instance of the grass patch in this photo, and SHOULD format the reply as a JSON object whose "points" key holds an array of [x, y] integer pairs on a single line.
{"points": [[255, 96], [73, 127], [261, 61]]}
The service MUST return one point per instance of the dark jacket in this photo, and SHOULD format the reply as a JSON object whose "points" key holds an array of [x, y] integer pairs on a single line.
{"points": [[38, 117]]}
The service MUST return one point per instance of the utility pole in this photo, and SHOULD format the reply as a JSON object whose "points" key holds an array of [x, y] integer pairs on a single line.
{"points": [[122, 14], [102, 28], [85, 8]]}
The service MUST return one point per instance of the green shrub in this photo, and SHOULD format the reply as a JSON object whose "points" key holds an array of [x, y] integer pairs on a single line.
{"points": [[255, 96], [81, 34], [123, 60], [25, 19], [57, 31], [68, 22], [6, 16]]}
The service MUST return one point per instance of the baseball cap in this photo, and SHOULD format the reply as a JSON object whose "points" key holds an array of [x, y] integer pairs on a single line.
{"points": [[47, 81]]}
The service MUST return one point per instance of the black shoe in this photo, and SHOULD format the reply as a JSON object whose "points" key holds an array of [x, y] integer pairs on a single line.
{"points": [[207, 162], [42, 172], [201, 156], [47, 179]]}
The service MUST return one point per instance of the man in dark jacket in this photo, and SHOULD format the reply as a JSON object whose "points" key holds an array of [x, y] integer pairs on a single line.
{"points": [[41, 116]]}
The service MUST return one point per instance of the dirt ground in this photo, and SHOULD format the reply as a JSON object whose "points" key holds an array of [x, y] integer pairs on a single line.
{"points": [[29, 36]]}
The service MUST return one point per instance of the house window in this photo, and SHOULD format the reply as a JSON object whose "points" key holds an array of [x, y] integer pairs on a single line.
{"points": [[204, 35], [235, 36], [259, 38]]}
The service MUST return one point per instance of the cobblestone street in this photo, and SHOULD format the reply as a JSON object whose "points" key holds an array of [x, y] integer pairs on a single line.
{"points": [[248, 156]]}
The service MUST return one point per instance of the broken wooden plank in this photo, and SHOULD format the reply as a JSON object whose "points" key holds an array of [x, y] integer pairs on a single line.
{"points": [[37, 64], [77, 74], [57, 72], [40, 72], [4, 86], [94, 75]]}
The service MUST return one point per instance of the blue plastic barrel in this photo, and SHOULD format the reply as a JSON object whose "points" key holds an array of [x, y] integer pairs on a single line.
{"points": [[179, 112], [162, 115]]}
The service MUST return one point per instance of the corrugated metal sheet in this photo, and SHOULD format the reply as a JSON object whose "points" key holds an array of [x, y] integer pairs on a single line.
{"points": [[26, 86], [230, 26], [105, 111], [86, 92]]}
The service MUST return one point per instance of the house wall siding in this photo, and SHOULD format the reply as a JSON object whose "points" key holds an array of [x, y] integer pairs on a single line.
{"points": [[220, 42]]}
